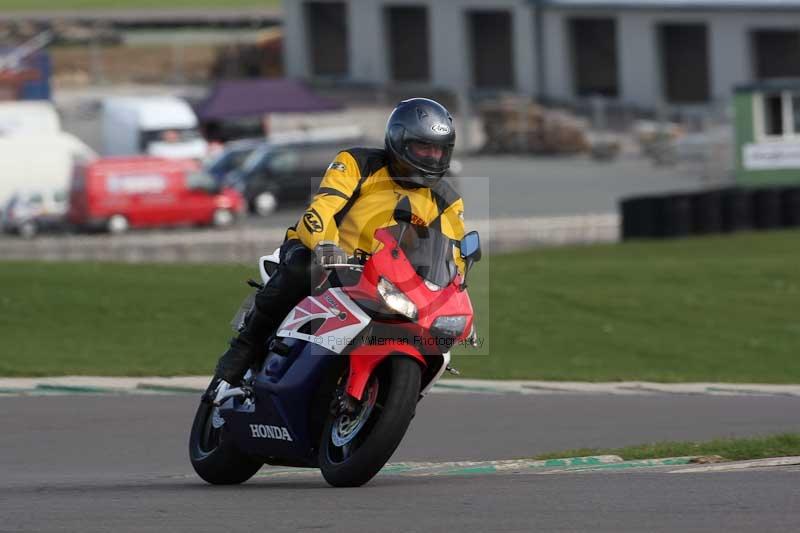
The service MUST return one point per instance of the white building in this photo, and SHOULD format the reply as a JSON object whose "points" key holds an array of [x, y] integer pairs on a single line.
{"points": [[638, 52]]}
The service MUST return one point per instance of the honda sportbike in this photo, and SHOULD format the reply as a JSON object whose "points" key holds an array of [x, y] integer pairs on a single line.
{"points": [[337, 386]]}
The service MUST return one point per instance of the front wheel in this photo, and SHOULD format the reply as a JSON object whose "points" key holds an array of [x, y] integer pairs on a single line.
{"points": [[354, 447], [214, 456]]}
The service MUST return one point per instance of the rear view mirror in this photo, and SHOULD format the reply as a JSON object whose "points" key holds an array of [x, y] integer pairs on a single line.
{"points": [[471, 246], [470, 252]]}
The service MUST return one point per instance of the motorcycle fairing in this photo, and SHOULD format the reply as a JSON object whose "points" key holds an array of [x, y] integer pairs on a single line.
{"points": [[364, 359], [438, 369], [285, 403], [390, 262], [331, 320]]}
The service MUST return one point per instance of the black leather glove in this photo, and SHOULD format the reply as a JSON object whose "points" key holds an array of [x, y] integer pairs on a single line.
{"points": [[329, 254]]}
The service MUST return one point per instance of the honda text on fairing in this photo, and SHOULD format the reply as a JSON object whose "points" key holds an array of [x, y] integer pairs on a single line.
{"points": [[337, 386]]}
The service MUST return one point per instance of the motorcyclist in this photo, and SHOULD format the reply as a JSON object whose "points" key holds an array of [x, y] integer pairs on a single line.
{"points": [[357, 196]]}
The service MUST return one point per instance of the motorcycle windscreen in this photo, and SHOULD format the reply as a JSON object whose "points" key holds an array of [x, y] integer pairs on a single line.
{"points": [[429, 251]]}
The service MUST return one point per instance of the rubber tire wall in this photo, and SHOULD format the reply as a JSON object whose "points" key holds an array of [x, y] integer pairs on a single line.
{"points": [[711, 211]]}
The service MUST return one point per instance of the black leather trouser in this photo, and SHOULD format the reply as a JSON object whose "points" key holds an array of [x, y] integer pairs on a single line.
{"points": [[297, 274]]}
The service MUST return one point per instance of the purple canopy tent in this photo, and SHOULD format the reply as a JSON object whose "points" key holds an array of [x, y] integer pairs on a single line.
{"points": [[250, 98]]}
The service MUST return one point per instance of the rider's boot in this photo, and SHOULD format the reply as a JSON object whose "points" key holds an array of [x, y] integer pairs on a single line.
{"points": [[241, 353]]}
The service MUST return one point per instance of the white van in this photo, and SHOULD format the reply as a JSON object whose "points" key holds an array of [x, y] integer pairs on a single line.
{"points": [[42, 161], [23, 118], [160, 126]]}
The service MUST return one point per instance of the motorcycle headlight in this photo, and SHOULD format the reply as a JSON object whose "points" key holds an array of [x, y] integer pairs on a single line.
{"points": [[396, 300], [449, 326]]}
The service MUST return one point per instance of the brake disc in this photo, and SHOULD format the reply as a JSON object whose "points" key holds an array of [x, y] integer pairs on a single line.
{"points": [[347, 425]]}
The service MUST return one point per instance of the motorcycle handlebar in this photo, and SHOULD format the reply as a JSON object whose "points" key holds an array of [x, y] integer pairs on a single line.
{"points": [[333, 266]]}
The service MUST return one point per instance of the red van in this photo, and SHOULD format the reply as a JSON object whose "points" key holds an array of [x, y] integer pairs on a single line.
{"points": [[136, 192]]}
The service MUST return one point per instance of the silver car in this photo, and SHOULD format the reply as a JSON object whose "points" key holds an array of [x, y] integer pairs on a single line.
{"points": [[29, 212]]}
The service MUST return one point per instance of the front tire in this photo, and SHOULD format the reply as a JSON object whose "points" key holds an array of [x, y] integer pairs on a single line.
{"points": [[214, 456], [361, 458]]}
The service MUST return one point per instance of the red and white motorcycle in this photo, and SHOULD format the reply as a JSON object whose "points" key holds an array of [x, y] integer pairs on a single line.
{"points": [[338, 384]]}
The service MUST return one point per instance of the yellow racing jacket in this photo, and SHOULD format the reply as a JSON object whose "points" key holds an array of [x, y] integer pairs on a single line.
{"points": [[357, 196]]}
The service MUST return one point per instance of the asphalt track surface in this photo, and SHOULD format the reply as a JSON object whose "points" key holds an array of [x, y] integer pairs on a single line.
{"points": [[116, 463]]}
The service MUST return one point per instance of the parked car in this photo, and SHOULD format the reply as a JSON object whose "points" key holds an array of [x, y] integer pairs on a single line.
{"points": [[116, 194], [231, 157], [287, 170], [29, 212], [160, 126]]}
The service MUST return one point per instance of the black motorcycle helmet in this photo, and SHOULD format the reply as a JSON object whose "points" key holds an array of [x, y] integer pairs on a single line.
{"points": [[419, 142]]}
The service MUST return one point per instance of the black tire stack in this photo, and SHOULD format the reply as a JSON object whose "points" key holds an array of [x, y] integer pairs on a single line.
{"points": [[790, 208], [710, 212]]}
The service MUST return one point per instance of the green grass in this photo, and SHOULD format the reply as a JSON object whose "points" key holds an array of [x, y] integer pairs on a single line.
{"points": [[113, 319], [41, 5], [712, 309], [733, 449]]}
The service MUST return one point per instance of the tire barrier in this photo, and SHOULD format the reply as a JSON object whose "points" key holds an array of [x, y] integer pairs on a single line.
{"points": [[674, 216], [767, 208], [639, 217], [790, 207], [706, 212], [737, 212], [710, 211]]}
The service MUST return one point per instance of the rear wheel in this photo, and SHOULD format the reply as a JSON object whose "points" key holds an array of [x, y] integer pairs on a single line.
{"points": [[214, 456], [355, 446], [223, 218], [28, 229]]}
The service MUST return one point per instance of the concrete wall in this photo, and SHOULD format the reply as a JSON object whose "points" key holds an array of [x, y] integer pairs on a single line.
{"points": [[243, 245]]}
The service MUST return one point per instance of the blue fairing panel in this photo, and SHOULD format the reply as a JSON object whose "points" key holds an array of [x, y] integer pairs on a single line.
{"points": [[277, 425]]}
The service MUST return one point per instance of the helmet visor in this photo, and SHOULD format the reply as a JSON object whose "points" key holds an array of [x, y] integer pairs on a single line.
{"points": [[430, 157]]}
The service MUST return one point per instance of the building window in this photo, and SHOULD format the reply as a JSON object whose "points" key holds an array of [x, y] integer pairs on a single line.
{"points": [[773, 115], [326, 24], [409, 49], [684, 63], [776, 116], [594, 56], [776, 54], [491, 39]]}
